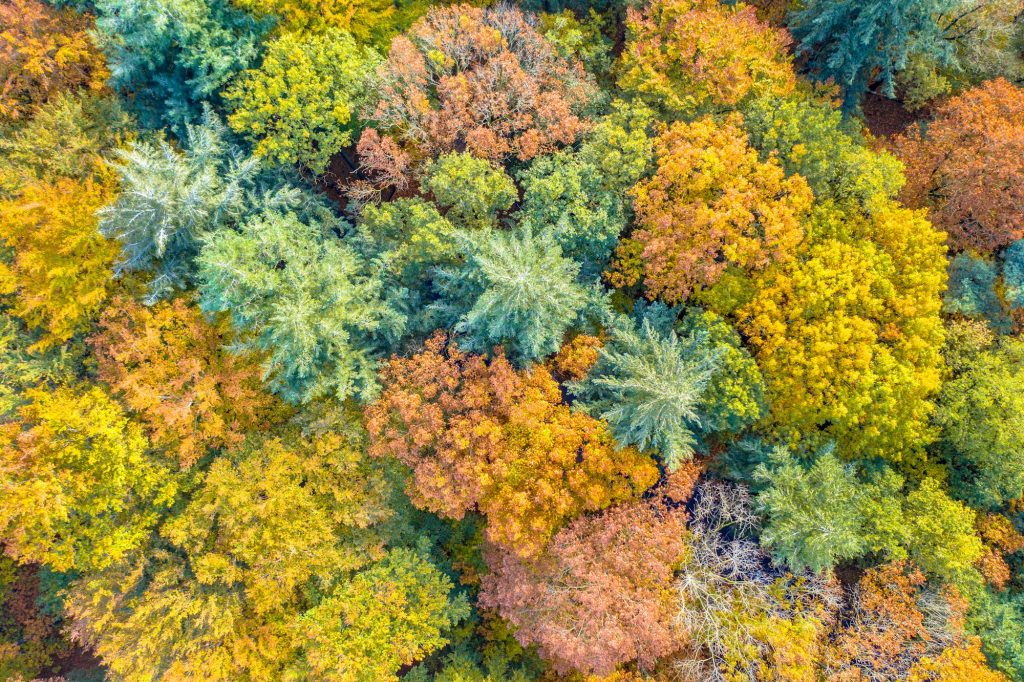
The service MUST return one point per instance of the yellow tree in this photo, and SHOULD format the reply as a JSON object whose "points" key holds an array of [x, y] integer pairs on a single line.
{"points": [[61, 268], [848, 334], [81, 489], [686, 57]]}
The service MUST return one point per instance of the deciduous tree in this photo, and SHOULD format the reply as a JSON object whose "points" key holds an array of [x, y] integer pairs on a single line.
{"points": [[43, 52], [480, 434], [967, 166], [169, 366], [299, 105], [687, 57], [484, 79], [711, 204]]}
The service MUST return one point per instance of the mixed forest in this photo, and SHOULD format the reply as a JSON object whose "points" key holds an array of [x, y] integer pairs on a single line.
{"points": [[558, 340]]}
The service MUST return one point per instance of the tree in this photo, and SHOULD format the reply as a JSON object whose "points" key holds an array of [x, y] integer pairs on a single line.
{"points": [[167, 364], [43, 52], [171, 199], [649, 387], [940, 531], [482, 78], [690, 57], [276, 529], [980, 413], [858, 44], [601, 594], [479, 434], [811, 138], [471, 191], [741, 619], [82, 490], [966, 166], [580, 197], [298, 106], [514, 289], [1013, 274], [813, 515], [387, 617], [301, 296], [170, 56], [61, 267], [735, 393], [896, 625], [972, 291], [848, 335], [66, 138], [365, 19], [965, 662], [710, 205]]}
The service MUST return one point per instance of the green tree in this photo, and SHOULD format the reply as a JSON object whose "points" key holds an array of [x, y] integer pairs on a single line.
{"points": [[941, 538], [304, 298], [514, 289], [171, 199], [299, 105], [172, 55], [857, 43], [471, 190], [649, 387], [982, 415]]}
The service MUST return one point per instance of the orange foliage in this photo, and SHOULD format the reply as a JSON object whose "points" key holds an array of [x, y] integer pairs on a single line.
{"points": [[888, 632], [167, 364], [1000, 538], [713, 204], [956, 664], [482, 79], [967, 166], [43, 52], [576, 357], [480, 434], [693, 56]]}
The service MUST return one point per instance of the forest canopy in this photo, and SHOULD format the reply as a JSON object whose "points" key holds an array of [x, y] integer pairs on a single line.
{"points": [[512, 340]]}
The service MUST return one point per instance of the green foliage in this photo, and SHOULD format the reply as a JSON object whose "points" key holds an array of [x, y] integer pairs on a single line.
{"points": [[813, 140], [735, 394], [387, 616], [514, 289], [859, 43], [470, 190], [298, 294], [170, 56], [1013, 274], [982, 415], [972, 291], [299, 105], [940, 533], [170, 200], [649, 387]]}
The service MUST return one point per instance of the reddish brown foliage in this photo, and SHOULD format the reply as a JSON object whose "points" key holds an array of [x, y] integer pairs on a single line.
{"points": [[167, 364], [967, 166], [479, 434], [601, 594], [888, 631], [480, 80]]}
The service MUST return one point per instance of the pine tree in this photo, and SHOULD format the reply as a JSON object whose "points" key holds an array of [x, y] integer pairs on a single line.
{"points": [[648, 386], [297, 293], [514, 289]]}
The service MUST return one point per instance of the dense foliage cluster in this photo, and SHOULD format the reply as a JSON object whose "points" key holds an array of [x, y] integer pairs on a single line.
{"points": [[370, 340]]}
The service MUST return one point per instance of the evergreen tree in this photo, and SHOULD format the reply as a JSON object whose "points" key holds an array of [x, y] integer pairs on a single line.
{"points": [[514, 289], [648, 386], [859, 42], [297, 293]]}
